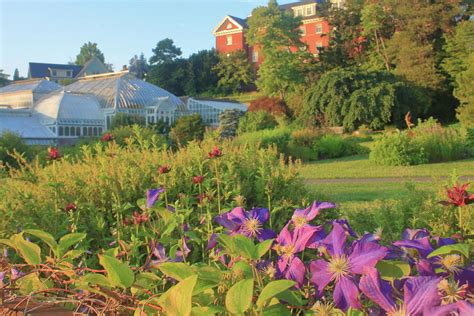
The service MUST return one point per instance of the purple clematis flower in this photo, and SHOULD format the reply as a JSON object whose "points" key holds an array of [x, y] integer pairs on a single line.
{"points": [[343, 265], [288, 244], [247, 223], [152, 196], [301, 218], [159, 254], [420, 294]]}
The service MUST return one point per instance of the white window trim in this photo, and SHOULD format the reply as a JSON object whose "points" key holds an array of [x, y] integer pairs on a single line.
{"points": [[229, 40]]}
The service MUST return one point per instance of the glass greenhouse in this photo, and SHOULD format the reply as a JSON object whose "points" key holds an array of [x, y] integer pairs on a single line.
{"points": [[121, 92], [211, 110], [70, 115], [24, 93]]}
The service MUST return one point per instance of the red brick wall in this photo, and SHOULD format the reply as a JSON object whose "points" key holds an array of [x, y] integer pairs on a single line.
{"points": [[238, 43], [312, 38]]}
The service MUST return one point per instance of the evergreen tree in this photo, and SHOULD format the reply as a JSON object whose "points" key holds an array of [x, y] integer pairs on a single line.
{"points": [[235, 71], [16, 74], [464, 92], [3, 78], [204, 78], [165, 52], [229, 122], [138, 66]]}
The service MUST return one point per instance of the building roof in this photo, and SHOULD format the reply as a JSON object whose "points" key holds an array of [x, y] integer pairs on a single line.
{"points": [[291, 5], [122, 90], [242, 22], [23, 124], [35, 85], [65, 106], [84, 69], [220, 105], [41, 70]]}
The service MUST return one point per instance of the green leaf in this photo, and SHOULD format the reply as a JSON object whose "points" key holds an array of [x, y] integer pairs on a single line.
{"points": [[177, 301], [8, 243], [73, 254], [118, 273], [239, 297], [245, 247], [29, 251], [263, 247], [69, 240], [242, 269], [177, 270], [276, 310], [46, 237], [96, 279], [449, 249], [31, 283], [354, 312], [391, 270], [207, 311], [273, 288], [292, 297]]}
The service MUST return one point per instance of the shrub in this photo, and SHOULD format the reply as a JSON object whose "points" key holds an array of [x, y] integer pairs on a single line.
{"points": [[350, 98], [428, 142], [134, 134], [255, 121], [335, 146], [274, 106], [187, 128], [278, 137], [10, 142], [229, 122], [124, 119]]}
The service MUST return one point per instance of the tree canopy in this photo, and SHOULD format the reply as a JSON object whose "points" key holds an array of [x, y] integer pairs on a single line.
{"points": [[89, 50], [235, 71], [165, 52], [138, 66]]}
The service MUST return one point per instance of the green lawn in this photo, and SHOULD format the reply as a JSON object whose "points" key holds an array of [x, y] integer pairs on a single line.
{"points": [[360, 167]]}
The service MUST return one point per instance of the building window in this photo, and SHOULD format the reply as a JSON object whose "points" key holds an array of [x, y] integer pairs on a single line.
{"points": [[319, 48], [53, 73], [73, 131], [89, 131], [309, 11], [229, 26], [61, 131], [95, 131], [319, 28], [66, 131], [78, 131], [68, 73], [299, 12], [255, 57], [303, 30], [229, 40]]}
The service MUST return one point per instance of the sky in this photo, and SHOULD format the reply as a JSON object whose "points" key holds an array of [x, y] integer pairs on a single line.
{"points": [[52, 31]]}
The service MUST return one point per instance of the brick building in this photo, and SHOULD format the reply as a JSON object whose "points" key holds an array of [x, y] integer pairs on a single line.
{"points": [[230, 32]]}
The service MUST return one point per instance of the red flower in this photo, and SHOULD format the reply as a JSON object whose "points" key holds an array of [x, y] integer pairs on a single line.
{"points": [[458, 196], [70, 207], [139, 218], [53, 153], [164, 169], [215, 153], [198, 179], [107, 137]]}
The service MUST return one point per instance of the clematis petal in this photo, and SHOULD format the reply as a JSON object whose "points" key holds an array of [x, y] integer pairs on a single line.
{"points": [[265, 234], [365, 255], [320, 275], [152, 196], [296, 271], [237, 215], [315, 208], [420, 294], [422, 245], [411, 234], [285, 237], [318, 236], [425, 268], [212, 242], [346, 293], [377, 290], [303, 235], [336, 240], [261, 214]]}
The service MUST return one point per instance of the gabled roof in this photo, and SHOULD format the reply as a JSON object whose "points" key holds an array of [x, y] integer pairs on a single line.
{"points": [[240, 23], [94, 59], [41, 70], [291, 5]]}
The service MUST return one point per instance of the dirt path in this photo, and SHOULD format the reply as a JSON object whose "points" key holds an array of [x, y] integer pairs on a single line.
{"points": [[384, 180]]}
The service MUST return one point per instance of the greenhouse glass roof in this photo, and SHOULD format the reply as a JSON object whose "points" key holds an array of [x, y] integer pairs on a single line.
{"points": [[23, 124], [123, 91], [35, 85]]}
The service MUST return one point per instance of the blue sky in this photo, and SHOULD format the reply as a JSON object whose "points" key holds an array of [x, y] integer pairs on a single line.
{"points": [[53, 30]]}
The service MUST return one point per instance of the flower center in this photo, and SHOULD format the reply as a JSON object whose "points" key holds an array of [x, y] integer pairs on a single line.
{"points": [[299, 221], [451, 263], [323, 309], [339, 266], [285, 251], [402, 311], [451, 292], [252, 226]]}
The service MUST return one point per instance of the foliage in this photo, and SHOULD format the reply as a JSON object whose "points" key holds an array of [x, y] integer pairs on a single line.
{"points": [[274, 106], [16, 75], [278, 137], [458, 49], [203, 77], [125, 119], [334, 146], [165, 52], [3, 78], [464, 92], [229, 122], [255, 121], [235, 72], [133, 134], [10, 143], [170, 75], [427, 143], [352, 98], [138, 66], [88, 51], [187, 128]]}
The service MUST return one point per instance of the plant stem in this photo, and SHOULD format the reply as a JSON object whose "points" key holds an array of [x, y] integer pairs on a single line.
{"points": [[218, 187]]}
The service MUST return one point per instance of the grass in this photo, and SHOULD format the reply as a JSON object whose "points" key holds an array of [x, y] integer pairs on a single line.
{"points": [[360, 167], [243, 97]]}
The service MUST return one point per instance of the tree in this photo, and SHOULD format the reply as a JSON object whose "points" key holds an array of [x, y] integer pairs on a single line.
{"points": [[172, 76], [464, 92], [88, 51], [234, 71], [16, 75], [273, 31], [354, 97], [188, 128], [165, 52], [273, 106], [3, 78], [124, 119], [204, 78], [229, 122], [139, 66]]}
